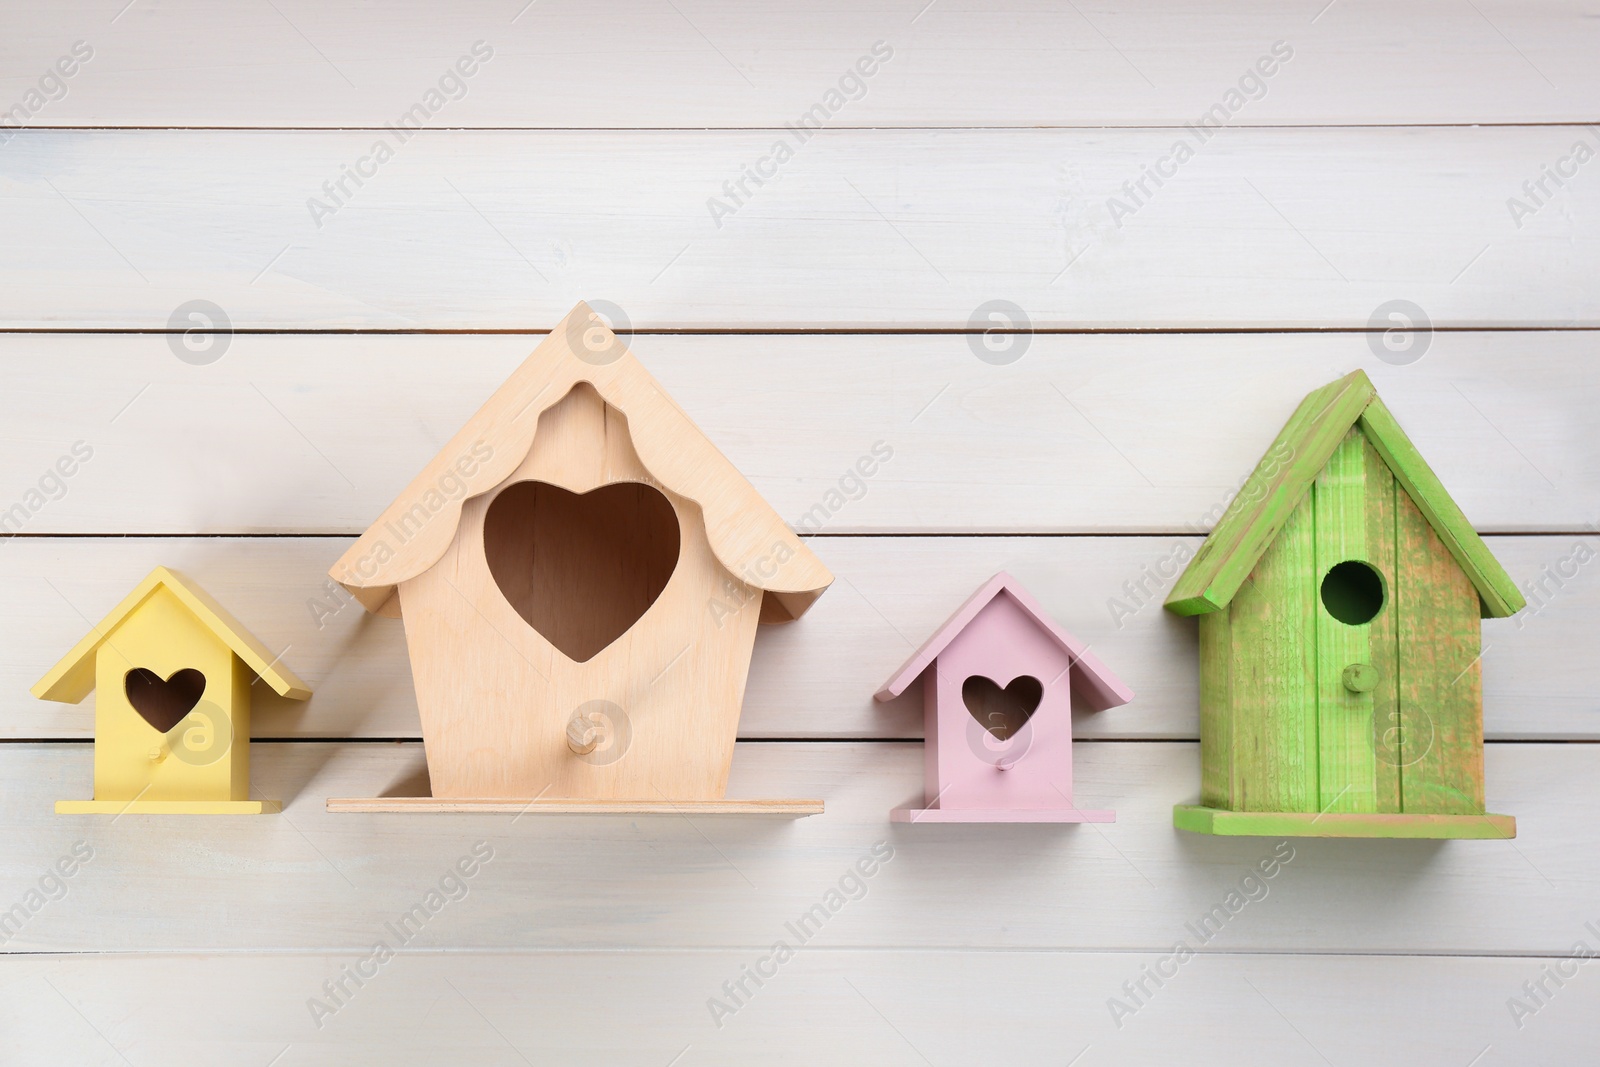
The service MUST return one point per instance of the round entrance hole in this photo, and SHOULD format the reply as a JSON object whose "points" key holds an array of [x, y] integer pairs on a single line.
{"points": [[1352, 592]]}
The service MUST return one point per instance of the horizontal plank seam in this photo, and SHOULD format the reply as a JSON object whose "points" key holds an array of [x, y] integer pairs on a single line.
{"points": [[925, 535], [665, 950], [787, 331], [416, 739], [836, 128]]}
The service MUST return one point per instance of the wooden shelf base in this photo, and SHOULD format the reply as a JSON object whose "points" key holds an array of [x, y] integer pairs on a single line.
{"points": [[575, 806], [999, 815], [1203, 820], [168, 807]]}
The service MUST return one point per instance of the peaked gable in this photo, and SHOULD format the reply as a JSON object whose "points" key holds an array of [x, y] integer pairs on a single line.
{"points": [[1091, 679], [748, 538], [72, 679], [1272, 492]]}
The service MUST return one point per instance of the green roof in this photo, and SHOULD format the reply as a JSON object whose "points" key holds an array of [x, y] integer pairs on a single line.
{"points": [[1273, 491]]}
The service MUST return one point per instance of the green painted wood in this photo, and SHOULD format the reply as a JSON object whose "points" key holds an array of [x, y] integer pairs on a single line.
{"points": [[1494, 586], [1441, 690], [1286, 473], [1346, 776], [1383, 632], [1269, 496], [1272, 677], [1204, 820], [1216, 714]]}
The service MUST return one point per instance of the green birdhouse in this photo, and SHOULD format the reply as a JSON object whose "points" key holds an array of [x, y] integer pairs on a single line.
{"points": [[1339, 600]]}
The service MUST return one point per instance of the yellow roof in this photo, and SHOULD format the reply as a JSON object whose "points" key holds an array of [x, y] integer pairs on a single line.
{"points": [[70, 680]]}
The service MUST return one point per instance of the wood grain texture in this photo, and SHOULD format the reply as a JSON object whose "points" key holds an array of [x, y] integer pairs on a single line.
{"points": [[508, 1009], [718, 63], [1084, 433], [1498, 595], [1441, 674], [324, 881], [535, 806], [1340, 497], [497, 696], [896, 229], [812, 678], [589, 941], [1270, 496], [1272, 674], [1383, 634], [1215, 665]]}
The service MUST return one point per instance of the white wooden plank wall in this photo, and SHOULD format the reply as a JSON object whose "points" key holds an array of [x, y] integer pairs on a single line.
{"points": [[1397, 152]]}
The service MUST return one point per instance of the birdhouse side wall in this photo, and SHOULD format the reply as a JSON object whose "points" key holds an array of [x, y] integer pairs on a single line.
{"points": [[238, 742], [132, 759], [1002, 643], [1216, 713], [1437, 739]]}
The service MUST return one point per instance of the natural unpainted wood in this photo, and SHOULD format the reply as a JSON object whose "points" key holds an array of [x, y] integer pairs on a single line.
{"points": [[521, 613], [537, 806]]}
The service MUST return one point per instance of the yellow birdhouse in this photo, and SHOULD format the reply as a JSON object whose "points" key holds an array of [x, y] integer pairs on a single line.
{"points": [[172, 718]]}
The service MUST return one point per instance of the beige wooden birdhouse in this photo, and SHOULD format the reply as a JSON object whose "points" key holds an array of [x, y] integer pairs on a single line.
{"points": [[581, 574]]}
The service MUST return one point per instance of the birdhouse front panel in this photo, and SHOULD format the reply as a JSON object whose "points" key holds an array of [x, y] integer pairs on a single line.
{"points": [[581, 574], [171, 709], [1343, 676], [601, 609], [999, 715]]}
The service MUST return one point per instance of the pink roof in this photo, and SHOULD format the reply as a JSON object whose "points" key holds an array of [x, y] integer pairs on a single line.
{"points": [[1092, 680]]}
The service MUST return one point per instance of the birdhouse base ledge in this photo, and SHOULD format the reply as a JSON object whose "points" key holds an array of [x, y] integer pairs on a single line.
{"points": [[1000, 815], [1223, 823], [168, 807], [574, 806]]}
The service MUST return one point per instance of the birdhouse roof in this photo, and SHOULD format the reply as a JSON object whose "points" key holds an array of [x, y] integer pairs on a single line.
{"points": [[748, 538], [1272, 492], [72, 679], [1091, 680]]}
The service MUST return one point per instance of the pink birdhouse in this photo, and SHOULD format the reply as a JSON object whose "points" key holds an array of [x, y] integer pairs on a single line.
{"points": [[998, 683]]}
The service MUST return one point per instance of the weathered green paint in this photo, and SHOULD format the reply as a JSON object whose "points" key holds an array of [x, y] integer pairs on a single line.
{"points": [[1499, 594], [1285, 475], [1320, 727], [1339, 503], [1268, 498], [1441, 689], [1207, 820], [1216, 715], [1382, 501], [1272, 682]]}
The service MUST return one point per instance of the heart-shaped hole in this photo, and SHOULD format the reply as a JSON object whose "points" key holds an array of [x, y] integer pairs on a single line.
{"points": [[1002, 711], [163, 704], [581, 568]]}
